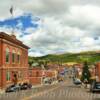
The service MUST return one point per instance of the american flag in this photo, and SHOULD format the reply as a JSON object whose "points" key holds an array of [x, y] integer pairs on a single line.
{"points": [[11, 10]]}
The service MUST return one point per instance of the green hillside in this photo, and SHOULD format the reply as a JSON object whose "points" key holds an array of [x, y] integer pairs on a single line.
{"points": [[91, 57]]}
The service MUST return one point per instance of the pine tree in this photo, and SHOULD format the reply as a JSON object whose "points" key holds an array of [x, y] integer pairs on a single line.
{"points": [[85, 73]]}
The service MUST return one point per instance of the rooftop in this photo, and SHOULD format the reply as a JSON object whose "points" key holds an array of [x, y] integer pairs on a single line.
{"points": [[12, 38]]}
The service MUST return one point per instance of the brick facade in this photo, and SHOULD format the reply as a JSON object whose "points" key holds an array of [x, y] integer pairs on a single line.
{"points": [[98, 71], [36, 75], [13, 60]]}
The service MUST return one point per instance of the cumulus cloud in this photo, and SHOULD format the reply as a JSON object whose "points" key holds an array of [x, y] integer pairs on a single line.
{"points": [[63, 26]]}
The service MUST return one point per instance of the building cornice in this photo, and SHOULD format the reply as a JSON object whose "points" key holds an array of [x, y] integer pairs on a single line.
{"points": [[12, 39], [12, 44]]}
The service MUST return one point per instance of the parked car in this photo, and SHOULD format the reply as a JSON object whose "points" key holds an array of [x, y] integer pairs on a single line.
{"points": [[77, 81], [47, 81], [60, 79], [95, 87], [25, 86], [12, 88]]}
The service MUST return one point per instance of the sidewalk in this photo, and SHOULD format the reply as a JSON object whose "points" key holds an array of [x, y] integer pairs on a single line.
{"points": [[37, 86], [33, 87], [2, 91], [41, 85]]}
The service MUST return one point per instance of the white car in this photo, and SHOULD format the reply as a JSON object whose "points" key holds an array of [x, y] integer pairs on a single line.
{"points": [[77, 81]]}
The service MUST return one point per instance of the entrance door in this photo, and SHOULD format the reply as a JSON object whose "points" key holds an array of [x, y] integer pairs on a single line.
{"points": [[15, 78]]}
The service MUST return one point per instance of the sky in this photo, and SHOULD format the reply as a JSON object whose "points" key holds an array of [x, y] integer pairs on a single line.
{"points": [[53, 26]]}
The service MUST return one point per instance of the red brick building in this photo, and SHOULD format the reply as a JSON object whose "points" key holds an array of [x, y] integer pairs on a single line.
{"points": [[36, 75], [97, 71], [13, 60]]}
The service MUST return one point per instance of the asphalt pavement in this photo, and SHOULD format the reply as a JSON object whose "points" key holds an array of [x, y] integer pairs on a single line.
{"points": [[61, 91]]}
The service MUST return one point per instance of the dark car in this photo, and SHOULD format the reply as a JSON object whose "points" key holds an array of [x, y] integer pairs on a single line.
{"points": [[95, 87], [25, 86], [12, 88]]}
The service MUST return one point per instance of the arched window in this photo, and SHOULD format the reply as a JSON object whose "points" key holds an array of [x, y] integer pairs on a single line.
{"points": [[18, 57], [7, 55], [13, 56]]}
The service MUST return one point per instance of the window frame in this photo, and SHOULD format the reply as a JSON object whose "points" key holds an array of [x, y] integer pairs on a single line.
{"points": [[18, 57], [13, 56], [8, 75], [7, 56]]}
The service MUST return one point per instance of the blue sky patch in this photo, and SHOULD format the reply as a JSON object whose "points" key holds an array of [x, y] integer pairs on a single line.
{"points": [[21, 23]]}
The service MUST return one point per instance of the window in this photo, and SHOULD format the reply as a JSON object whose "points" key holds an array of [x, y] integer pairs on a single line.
{"points": [[18, 57], [7, 55], [19, 74], [13, 56], [8, 76]]}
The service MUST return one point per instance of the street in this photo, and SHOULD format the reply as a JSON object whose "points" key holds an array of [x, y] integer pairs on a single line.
{"points": [[62, 91], [65, 91]]}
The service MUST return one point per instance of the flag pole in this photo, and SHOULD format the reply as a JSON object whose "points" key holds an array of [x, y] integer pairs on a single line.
{"points": [[12, 16]]}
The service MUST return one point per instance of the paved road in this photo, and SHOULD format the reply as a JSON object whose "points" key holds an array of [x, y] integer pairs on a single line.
{"points": [[65, 91], [21, 95], [62, 91]]}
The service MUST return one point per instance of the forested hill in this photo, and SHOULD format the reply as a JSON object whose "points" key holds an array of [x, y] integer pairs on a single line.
{"points": [[91, 57]]}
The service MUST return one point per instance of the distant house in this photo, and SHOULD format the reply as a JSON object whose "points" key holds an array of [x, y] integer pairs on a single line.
{"points": [[78, 70], [13, 60], [36, 75], [92, 70]]}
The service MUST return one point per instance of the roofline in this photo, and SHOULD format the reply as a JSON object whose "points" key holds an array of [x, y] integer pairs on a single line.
{"points": [[11, 39]]}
